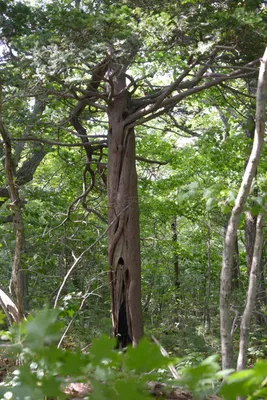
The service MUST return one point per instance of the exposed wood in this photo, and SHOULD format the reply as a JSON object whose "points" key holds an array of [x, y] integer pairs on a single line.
{"points": [[165, 354], [9, 307]]}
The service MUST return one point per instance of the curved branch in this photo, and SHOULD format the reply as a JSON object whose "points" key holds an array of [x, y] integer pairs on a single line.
{"points": [[191, 87], [78, 259]]}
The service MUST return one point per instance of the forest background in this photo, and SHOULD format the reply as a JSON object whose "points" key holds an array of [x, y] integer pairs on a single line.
{"points": [[95, 94]]}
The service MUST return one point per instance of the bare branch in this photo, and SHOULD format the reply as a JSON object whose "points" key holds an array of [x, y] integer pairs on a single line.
{"points": [[137, 117], [166, 354], [78, 259], [61, 144]]}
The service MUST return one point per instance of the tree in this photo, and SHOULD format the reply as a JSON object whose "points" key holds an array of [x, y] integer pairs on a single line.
{"points": [[108, 75], [230, 236]]}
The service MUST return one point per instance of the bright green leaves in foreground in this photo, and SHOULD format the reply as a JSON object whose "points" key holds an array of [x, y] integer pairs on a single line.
{"points": [[250, 384], [111, 374], [46, 369]]}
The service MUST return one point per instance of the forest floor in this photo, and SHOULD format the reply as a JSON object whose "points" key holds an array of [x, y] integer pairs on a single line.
{"points": [[77, 390], [158, 391]]}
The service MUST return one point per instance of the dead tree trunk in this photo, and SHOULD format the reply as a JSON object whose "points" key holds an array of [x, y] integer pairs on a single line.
{"points": [[230, 237], [9, 307], [124, 236]]}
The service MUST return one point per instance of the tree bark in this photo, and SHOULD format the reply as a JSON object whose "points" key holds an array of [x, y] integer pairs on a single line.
{"points": [[236, 260], [236, 267], [231, 232], [251, 294], [124, 236], [250, 220]]}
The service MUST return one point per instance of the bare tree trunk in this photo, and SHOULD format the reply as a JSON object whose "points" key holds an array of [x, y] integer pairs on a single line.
{"points": [[261, 294], [250, 234], [261, 299], [251, 226], [175, 255], [231, 232], [207, 320], [251, 294], [250, 239], [124, 235]]}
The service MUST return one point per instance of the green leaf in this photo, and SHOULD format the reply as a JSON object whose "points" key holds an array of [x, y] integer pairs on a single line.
{"points": [[211, 202], [130, 390], [193, 376], [42, 329], [102, 349], [239, 384], [145, 357]]}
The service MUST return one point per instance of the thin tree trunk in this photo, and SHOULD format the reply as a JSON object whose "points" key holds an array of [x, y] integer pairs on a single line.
{"points": [[231, 232], [124, 236], [251, 295], [251, 226], [207, 320], [261, 293], [236, 266], [250, 234], [175, 255]]}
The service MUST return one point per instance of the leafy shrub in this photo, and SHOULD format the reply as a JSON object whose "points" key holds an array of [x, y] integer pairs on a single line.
{"points": [[47, 371]]}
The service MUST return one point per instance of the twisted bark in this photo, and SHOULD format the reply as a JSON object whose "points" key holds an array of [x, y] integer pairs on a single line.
{"points": [[124, 236]]}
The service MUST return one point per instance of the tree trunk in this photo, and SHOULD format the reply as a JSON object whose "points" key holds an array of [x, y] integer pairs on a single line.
{"points": [[231, 232], [236, 266], [176, 266], [261, 293], [207, 319], [124, 235], [236, 260], [250, 220], [251, 295]]}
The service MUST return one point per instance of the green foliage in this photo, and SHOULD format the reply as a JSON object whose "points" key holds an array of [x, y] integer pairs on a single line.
{"points": [[250, 384], [46, 370]]}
